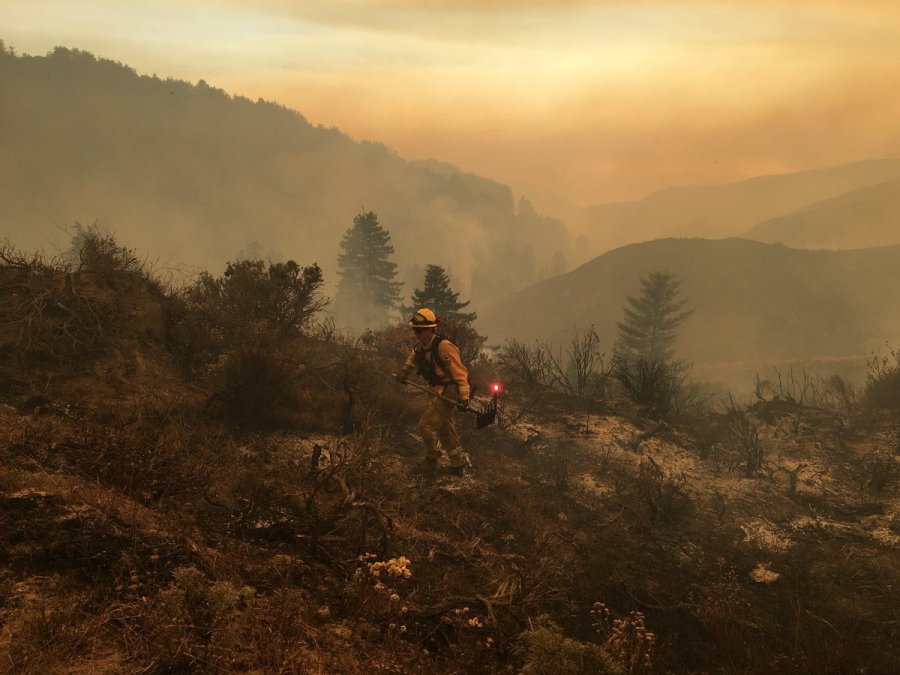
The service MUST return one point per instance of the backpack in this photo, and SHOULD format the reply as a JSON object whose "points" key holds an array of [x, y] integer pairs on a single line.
{"points": [[426, 368]]}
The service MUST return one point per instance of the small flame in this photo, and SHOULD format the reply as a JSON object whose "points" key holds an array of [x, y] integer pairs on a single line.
{"points": [[495, 387]]}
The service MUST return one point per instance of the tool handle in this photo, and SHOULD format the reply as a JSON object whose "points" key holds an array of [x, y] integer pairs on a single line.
{"points": [[435, 394]]}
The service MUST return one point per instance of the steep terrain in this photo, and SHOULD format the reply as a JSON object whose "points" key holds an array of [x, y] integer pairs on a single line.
{"points": [[191, 176], [142, 529], [755, 304], [714, 211], [862, 218]]}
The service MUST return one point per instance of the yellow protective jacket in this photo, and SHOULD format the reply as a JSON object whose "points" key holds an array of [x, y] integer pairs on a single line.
{"points": [[455, 372]]}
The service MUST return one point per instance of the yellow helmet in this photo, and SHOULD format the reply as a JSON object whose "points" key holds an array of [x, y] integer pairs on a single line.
{"points": [[424, 318]]}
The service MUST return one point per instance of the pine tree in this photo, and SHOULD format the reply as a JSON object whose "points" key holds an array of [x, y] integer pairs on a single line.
{"points": [[651, 321], [440, 298], [366, 290]]}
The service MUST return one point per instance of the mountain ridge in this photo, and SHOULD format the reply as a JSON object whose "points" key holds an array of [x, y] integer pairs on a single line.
{"points": [[863, 218], [755, 302], [724, 210], [176, 169]]}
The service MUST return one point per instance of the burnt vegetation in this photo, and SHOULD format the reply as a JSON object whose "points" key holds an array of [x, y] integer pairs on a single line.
{"points": [[214, 478]]}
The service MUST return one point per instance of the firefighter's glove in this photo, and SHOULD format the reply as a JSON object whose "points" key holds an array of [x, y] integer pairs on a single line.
{"points": [[400, 377], [463, 406]]}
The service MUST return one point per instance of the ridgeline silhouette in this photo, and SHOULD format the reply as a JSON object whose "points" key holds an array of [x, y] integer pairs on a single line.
{"points": [[187, 172]]}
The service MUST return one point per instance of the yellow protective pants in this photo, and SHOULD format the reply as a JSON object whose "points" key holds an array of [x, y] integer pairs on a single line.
{"points": [[437, 424]]}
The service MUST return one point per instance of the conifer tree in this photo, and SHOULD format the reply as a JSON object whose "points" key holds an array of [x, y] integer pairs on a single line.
{"points": [[651, 321], [437, 295], [366, 290]]}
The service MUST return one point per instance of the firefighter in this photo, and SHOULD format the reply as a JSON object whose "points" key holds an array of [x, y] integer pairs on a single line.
{"points": [[438, 362]]}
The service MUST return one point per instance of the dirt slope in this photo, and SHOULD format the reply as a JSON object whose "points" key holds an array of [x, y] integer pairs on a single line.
{"points": [[143, 530]]}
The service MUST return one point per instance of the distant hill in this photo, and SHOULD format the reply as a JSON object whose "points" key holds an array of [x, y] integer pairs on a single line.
{"points": [[862, 218], [755, 303], [715, 211], [188, 172]]}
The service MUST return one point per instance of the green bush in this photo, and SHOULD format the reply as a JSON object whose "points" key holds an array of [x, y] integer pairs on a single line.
{"points": [[183, 620], [546, 651]]}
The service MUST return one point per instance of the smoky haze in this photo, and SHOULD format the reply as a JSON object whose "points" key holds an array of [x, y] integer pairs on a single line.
{"points": [[669, 442], [847, 206], [756, 306], [581, 102], [187, 173]]}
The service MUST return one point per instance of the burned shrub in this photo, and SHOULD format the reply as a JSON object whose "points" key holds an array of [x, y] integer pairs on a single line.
{"points": [[249, 302], [39, 638], [742, 433], [838, 394], [879, 471], [787, 390], [256, 387], [323, 503], [882, 388], [150, 452], [584, 372], [559, 464], [663, 386], [580, 371], [355, 373], [391, 342], [72, 307], [98, 252], [523, 363], [664, 492], [708, 431]]}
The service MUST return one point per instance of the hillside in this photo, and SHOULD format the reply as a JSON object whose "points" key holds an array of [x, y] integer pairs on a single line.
{"points": [[862, 218], [756, 304], [155, 521], [715, 211], [190, 175]]}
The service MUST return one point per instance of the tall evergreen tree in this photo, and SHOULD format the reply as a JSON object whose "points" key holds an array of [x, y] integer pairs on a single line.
{"points": [[366, 290], [440, 298], [651, 321]]}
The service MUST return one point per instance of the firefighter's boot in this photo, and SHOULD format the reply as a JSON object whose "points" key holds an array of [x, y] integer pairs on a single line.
{"points": [[458, 462], [426, 467]]}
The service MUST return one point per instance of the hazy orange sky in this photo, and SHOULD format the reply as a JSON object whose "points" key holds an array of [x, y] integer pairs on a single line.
{"points": [[589, 100]]}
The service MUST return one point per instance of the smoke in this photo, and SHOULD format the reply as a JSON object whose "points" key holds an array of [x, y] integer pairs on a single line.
{"points": [[592, 101], [183, 172]]}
